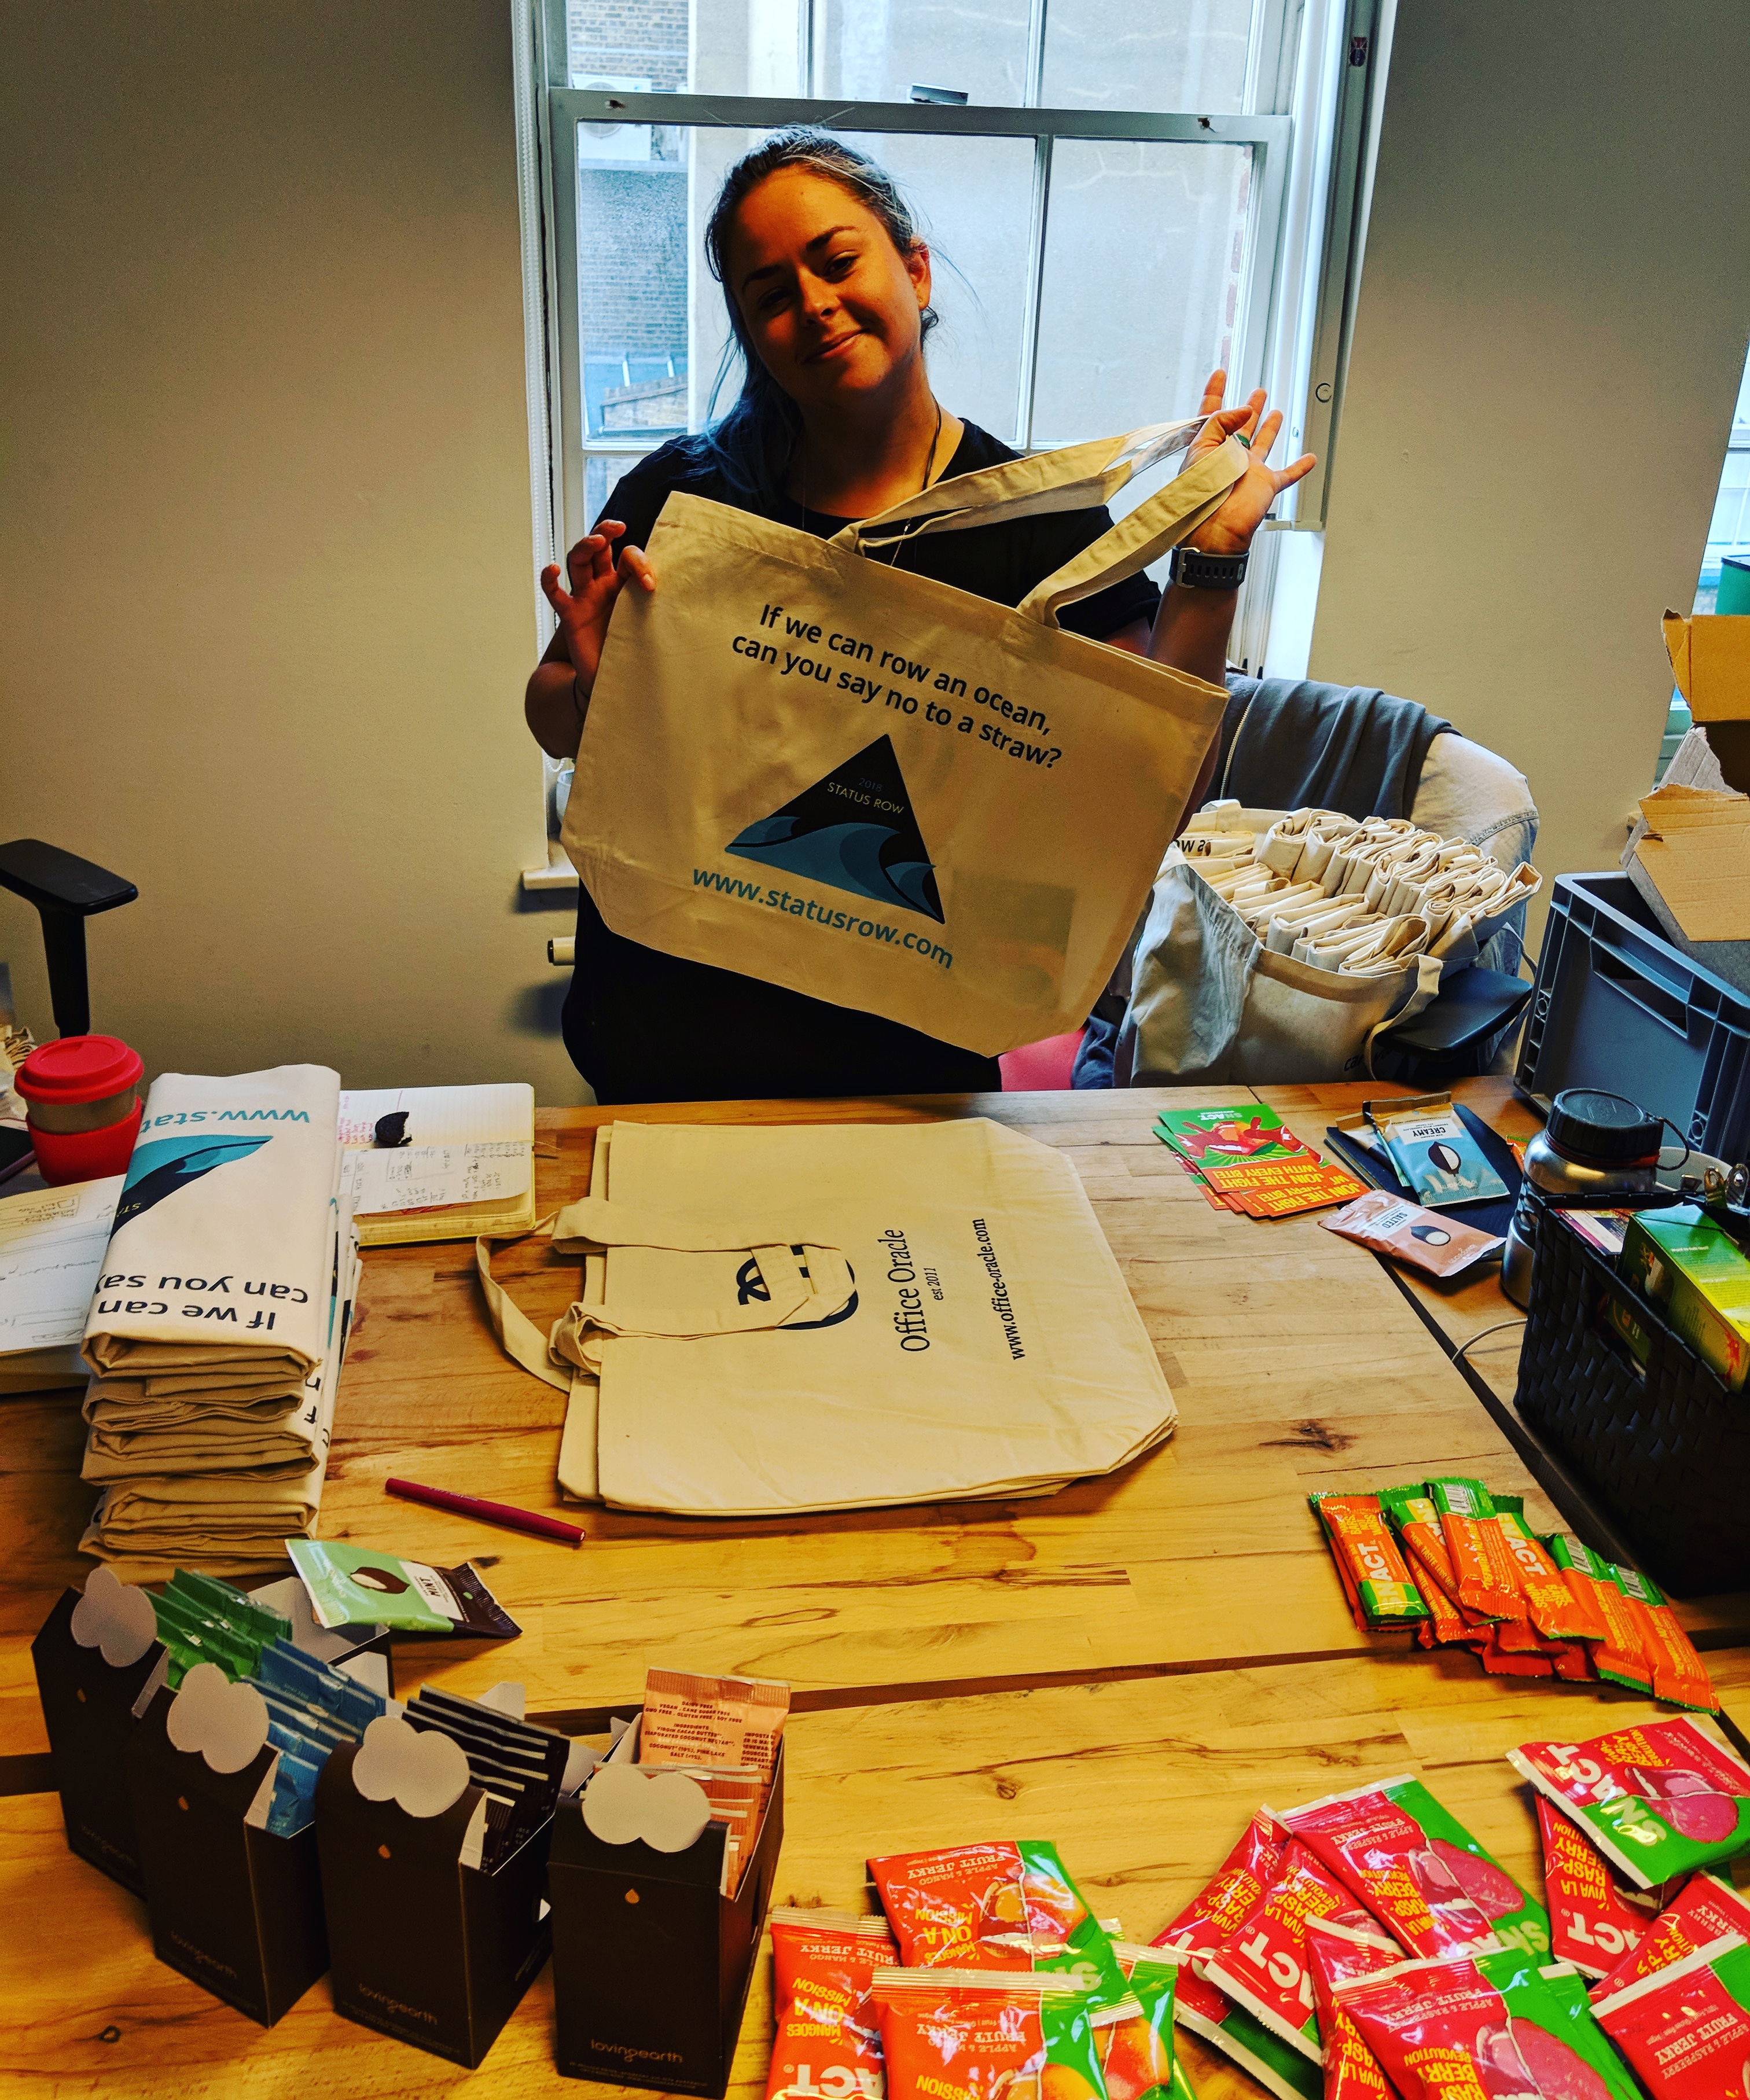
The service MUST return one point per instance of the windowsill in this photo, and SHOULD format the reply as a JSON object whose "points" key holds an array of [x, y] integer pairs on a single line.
{"points": [[558, 873]]}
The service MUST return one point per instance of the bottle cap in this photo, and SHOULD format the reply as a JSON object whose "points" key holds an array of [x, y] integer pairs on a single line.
{"points": [[1603, 1129], [79, 1068]]}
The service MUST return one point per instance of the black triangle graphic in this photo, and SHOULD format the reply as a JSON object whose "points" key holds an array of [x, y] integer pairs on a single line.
{"points": [[852, 830]]}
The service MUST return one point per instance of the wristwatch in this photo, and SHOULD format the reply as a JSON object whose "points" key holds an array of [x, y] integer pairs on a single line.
{"points": [[1200, 572]]}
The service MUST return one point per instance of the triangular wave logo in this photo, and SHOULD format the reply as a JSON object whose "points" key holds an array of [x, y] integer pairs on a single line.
{"points": [[852, 830], [167, 1164]]}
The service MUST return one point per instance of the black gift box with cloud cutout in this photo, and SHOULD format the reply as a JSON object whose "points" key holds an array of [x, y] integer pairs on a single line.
{"points": [[428, 1949], [651, 1965], [90, 1706], [235, 1909]]}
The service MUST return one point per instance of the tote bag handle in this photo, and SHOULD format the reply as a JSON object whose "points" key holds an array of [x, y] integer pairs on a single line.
{"points": [[1073, 478]]}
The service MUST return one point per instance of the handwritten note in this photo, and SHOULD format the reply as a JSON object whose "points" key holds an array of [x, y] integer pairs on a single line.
{"points": [[425, 1177], [51, 1250]]}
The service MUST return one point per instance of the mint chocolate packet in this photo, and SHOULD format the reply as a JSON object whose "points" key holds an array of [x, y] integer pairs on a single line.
{"points": [[355, 1585]]}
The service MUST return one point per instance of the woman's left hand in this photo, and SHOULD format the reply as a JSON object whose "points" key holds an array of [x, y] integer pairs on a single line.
{"points": [[1248, 501]]}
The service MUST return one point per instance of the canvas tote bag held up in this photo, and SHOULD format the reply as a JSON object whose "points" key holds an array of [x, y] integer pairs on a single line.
{"points": [[804, 765]]}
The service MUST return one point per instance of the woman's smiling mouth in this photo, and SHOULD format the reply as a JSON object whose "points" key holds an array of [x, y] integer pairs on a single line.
{"points": [[833, 348]]}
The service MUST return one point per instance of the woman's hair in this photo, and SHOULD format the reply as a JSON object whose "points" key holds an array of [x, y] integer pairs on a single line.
{"points": [[752, 443]]}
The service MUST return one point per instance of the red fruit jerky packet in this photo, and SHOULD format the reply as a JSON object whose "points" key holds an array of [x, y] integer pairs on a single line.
{"points": [[1262, 1964], [827, 2040], [1680, 1677], [1686, 2029], [1617, 1653], [1352, 2070], [959, 2035], [1485, 1579], [1254, 1864], [1484, 2027], [1590, 1925], [1547, 1598], [1705, 1908], [1384, 1856]]}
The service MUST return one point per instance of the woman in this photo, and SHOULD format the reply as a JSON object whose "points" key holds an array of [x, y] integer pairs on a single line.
{"points": [[828, 289]]}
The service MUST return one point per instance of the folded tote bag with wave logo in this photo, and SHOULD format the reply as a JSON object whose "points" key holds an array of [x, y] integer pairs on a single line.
{"points": [[839, 1317], [810, 766]]}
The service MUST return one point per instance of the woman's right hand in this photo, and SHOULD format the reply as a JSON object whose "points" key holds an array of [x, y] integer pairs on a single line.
{"points": [[596, 580]]}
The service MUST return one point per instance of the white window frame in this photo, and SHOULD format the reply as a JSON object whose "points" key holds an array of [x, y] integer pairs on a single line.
{"points": [[1299, 270]]}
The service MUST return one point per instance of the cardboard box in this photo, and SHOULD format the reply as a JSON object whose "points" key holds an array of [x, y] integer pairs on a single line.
{"points": [[424, 1947], [1710, 660], [90, 1707], [238, 1911], [1681, 1260], [651, 1964]]}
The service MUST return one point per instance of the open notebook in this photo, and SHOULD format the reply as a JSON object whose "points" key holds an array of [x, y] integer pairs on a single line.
{"points": [[469, 1169], [51, 1250]]}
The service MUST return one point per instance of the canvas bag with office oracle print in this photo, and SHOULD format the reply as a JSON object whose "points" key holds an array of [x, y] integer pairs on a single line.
{"points": [[804, 764], [835, 1316]]}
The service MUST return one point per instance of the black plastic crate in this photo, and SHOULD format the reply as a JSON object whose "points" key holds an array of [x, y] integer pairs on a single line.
{"points": [[1616, 1006], [1666, 1452]]}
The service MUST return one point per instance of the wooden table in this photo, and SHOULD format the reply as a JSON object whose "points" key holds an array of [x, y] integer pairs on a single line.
{"points": [[1130, 1665]]}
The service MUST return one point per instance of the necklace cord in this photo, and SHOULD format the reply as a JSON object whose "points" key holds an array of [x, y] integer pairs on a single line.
{"points": [[906, 531]]}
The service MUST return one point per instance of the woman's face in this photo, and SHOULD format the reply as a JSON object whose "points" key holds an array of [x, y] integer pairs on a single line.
{"points": [[831, 305]]}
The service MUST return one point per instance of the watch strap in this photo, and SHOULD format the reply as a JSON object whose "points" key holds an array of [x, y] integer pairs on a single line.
{"points": [[1200, 572]]}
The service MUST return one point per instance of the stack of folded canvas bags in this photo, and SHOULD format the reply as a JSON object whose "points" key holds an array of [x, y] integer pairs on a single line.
{"points": [[834, 1316], [216, 1333]]}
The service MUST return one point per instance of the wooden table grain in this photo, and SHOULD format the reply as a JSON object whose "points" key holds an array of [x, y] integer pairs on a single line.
{"points": [[1144, 1786]]}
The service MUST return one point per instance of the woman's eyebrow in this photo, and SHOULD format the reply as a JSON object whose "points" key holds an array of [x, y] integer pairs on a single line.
{"points": [[818, 240]]}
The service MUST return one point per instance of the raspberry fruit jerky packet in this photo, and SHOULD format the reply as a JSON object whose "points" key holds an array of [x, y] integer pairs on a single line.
{"points": [[1483, 2026], [1419, 1871], [1705, 1909], [1352, 2070], [1656, 1800], [1686, 2029], [823, 1963], [960, 2034], [1590, 1923], [1262, 1964], [1003, 1905]]}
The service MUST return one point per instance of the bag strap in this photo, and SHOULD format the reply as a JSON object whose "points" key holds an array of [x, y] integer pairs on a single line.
{"points": [[523, 1342], [1072, 477], [1159, 522]]}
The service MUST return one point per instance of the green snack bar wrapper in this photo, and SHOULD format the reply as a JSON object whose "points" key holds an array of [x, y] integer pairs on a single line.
{"points": [[361, 1585], [1657, 1800], [1414, 1865]]}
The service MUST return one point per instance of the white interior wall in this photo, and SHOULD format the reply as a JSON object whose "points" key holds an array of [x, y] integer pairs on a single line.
{"points": [[1551, 327], [265, 601]]}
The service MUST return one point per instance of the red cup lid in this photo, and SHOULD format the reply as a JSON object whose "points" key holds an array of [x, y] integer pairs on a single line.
{"points": [[79, 1068]]}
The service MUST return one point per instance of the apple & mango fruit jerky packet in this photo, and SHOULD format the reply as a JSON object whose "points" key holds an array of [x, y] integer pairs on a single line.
{"points": [[1656, 1800], [1262, 1964], [1482, 2027], [823, 1965], [1135, 2037], [1419, 1871], [1705, 1910], [1367, 1555], [999, 1905], [1592, 1924], [956, 2033], [1687, 2028]]}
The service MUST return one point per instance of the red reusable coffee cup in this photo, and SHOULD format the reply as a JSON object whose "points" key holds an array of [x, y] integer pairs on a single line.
{"points": [[83, 1105]]}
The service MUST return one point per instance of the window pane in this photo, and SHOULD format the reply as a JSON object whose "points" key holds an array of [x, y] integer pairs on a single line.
{"points": [[972, 199], [632, 278], [1729, 534], [1140, 297], [1185, 55], [641, 45], [878, 51]]}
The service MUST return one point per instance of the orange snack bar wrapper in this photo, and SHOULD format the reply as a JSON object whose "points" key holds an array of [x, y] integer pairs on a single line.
{"points": [[1487, 1583], [1618, 1654], [1360, 1541], [1680, 1677], [823, 1965], [1549, 1601], [950, 2034]]}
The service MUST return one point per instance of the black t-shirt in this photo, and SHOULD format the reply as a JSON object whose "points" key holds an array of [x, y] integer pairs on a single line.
{"points": [[644, 1026]]}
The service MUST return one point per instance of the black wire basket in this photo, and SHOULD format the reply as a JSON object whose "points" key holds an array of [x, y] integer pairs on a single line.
{"points": [[1663, 1447]]}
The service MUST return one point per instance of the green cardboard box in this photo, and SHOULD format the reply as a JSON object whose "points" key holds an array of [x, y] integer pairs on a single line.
{"points": [[1682, 1261]]}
